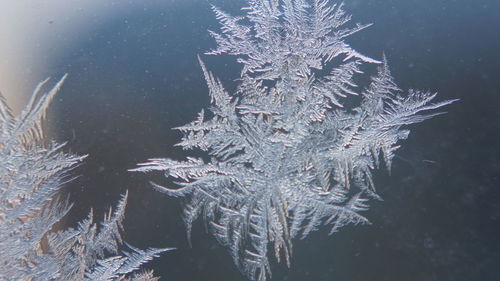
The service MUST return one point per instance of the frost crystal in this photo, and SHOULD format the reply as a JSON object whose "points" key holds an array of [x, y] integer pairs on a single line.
{"points": [[31, 175], [289, 150]]}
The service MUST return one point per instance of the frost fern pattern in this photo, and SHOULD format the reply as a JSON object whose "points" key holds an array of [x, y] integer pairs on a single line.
{"points": [[32, 173], [288, 151]]}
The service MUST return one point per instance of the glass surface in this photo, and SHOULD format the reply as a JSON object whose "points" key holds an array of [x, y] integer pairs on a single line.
{"points": [[134, 75]]}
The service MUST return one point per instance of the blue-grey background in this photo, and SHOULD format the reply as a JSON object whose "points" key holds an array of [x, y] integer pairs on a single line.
{"points": [[135, 75]]}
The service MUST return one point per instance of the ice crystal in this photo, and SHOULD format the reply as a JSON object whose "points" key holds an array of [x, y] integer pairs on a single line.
{"points": [[32, 173], [289, 150]]}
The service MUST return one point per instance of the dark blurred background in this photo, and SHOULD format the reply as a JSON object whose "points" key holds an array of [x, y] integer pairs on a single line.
{"points": [[133, 76]]}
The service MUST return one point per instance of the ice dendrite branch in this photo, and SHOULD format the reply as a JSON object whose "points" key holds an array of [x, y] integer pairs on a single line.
{"points": [[32, 173], [289, 151]]}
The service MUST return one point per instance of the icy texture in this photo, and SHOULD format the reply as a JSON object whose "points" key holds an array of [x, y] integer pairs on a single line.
{"points": [[291, 149], [32, 173]]}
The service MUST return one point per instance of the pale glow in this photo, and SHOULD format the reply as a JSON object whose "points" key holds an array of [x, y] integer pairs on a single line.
{"points": [[33, 33]]}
